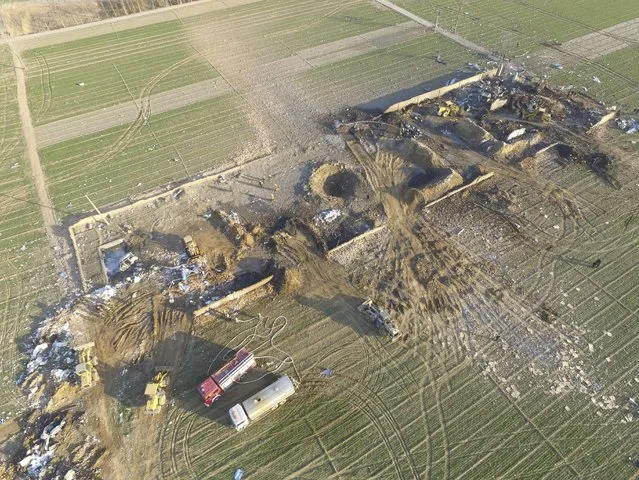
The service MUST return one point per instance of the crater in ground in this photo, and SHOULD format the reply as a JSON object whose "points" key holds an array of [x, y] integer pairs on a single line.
{"points": [[334, 181]]}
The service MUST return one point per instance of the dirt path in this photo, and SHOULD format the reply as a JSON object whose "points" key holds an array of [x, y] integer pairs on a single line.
{"points": [[450, 35], [591, 46], [28, 132], [125, 113]]}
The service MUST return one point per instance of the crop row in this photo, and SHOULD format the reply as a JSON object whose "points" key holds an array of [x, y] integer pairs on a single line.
{"points": [[517, 28], [171, 146]]}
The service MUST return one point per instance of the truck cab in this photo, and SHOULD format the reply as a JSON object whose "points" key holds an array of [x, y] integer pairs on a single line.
{"points": [[209, 391], [238, 417]]}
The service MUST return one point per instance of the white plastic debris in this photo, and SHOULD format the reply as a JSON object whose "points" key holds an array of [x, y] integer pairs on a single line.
{"points": [[515, 133], [105, 293], [328, 216], [239, 473], [327, 372], [60, 374], [629, 125], [557, 66], [596, 79]]}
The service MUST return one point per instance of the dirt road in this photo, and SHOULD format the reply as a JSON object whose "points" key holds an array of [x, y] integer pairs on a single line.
{"points": [[125, 113], [28, 132], [591, 46]]}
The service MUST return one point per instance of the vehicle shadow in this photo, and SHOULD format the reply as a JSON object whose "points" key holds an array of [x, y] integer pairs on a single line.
{"points": [[190, 360], [342, 309]]}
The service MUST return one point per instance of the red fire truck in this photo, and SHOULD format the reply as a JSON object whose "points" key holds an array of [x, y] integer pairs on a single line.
{"points": [[214, 386]]}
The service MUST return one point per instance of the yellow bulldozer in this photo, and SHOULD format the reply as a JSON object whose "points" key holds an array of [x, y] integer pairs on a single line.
{"points": [[155, 390], [192, 250], [449, 109], [85, 369]]}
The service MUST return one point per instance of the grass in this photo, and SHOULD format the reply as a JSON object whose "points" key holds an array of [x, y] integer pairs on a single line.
{"points": [[276, 29], [27, 279], [452, 420], [112, 69], [387, 70], [618, 73], [514, 28], [171, 146]]}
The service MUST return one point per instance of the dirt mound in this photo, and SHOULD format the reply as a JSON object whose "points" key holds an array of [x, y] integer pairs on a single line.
{"points": [[289, 280], [432, 184], [334, 181]]}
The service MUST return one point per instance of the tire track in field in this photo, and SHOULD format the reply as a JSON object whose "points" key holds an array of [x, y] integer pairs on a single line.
{"points": [[144, 111], [374, 406], [45, 85]]}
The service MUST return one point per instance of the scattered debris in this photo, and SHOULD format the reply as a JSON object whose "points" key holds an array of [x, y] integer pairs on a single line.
{"points": [[328, 216], [629, 125]]}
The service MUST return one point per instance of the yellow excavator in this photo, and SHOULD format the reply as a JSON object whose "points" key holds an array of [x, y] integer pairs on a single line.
{"points": [[449, 109], [537, 115], [85, 369], [155, 390]]}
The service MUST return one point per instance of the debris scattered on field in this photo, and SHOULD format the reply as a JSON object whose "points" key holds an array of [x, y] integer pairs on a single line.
{"points": [[596, 79], [328, 216], [327, 372], [515, 133], [557, 66], [239, 473], [629, 125]]}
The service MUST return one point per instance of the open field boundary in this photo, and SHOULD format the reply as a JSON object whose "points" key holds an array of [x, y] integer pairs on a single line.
{"points": [[356, 239], [452, 36], [232, 296], [134, 20]]}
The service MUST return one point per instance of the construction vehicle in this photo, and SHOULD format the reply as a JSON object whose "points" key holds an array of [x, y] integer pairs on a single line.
{"points": [[127, 261], [192, 250], [85, 369], [214, 386], [264, 401], [155, 390], [449, 109], [380, 318], [537, 115]]}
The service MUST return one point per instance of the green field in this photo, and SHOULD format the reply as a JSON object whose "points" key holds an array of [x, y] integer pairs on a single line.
{"points": [[114, 68], [518, 27], [279, 28], [27, 279], [618, 73], [388, 411], [126, 160], [390, 69]]}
